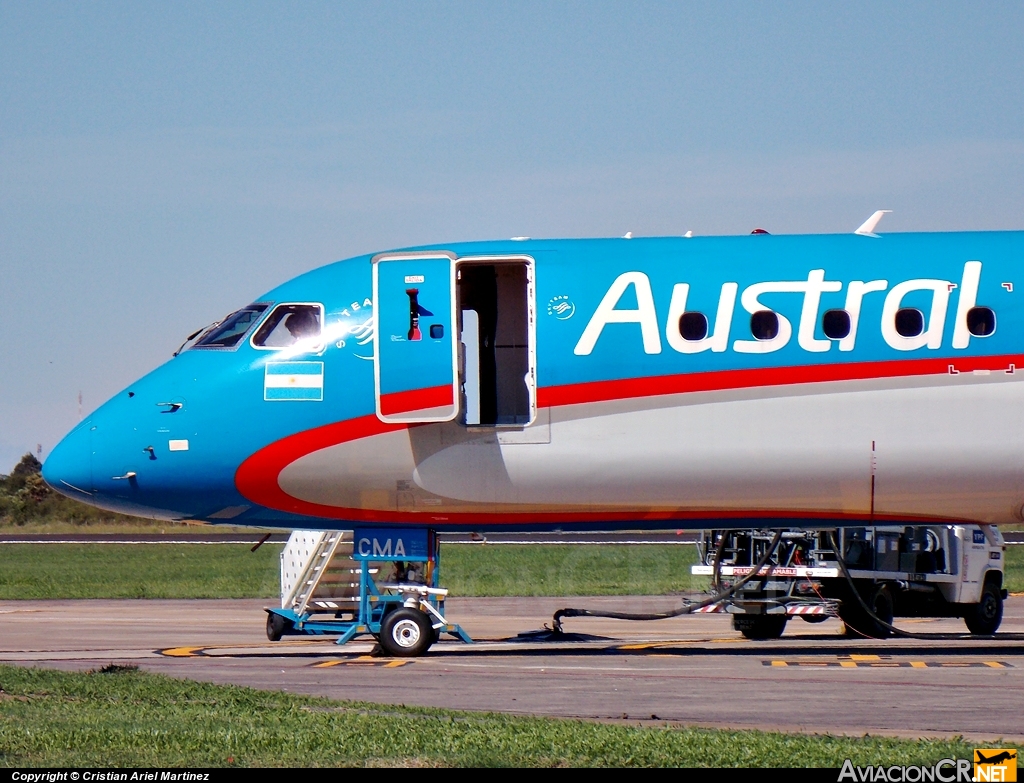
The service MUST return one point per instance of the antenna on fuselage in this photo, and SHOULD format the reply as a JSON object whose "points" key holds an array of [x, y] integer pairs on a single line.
{"points": [[867, 228]]}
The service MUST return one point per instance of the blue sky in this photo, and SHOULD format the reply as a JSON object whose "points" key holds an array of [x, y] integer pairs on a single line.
{"points": [[162, 164]]}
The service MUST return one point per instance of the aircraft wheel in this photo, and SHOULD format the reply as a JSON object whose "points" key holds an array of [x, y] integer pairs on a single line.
{"points": [[985, 616], [277, 626], [406, 633], [760, 626]]}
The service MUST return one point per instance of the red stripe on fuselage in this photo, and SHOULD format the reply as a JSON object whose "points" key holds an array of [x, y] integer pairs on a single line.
{"points": [[257, 477], [723, 380], [416, 400]]}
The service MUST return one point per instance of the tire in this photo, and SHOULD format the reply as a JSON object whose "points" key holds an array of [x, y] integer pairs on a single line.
{"points": [[984, 617], [277, 626], [406, 633], [760, 626], [856, 620]]}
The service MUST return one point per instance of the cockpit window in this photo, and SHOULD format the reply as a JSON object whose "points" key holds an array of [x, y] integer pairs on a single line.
{"points": [[232, 330], [291, 325]]}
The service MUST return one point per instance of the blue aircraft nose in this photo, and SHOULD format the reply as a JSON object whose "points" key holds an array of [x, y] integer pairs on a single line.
{"points": [[68, 469]]}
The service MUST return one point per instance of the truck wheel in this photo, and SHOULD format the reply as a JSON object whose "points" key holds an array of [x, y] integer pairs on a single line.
{"points": [[856, 620], [882, 605], [813, 618], [760, 626], [277, 626], [406, 633], [985, 616]]}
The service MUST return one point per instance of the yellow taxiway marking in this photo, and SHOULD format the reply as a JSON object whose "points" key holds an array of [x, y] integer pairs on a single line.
{"points": [[865, 657], [182, 652], [362, 660], [876, 664], [677, 642], [194, 650]]}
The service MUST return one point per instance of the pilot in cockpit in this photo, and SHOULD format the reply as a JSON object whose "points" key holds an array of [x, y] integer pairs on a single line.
{"points": [[289, 325], [302, 325]]}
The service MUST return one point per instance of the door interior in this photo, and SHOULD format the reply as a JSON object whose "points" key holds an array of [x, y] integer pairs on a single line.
{"points": [[497, 359]]}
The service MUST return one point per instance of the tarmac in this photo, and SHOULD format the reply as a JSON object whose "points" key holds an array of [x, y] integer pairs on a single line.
{"points": [[692, 670]]}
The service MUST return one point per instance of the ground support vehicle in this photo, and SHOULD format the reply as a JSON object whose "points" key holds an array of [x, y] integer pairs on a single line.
{"points": [[896, 570], [376, 582]]}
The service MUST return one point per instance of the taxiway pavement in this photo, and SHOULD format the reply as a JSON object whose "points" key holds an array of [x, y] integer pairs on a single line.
{"points": [[690, 670]]}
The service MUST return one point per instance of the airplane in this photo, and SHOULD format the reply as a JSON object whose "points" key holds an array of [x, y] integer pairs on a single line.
{"points": [[684, 382], [997, 758]]}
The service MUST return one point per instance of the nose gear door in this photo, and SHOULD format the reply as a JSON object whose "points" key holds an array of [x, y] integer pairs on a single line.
{"points": [[415, 351]]}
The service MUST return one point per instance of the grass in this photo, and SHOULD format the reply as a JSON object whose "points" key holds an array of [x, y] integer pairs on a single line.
{"points": [[619, 569], [232, 571], [122, 717], [138, 571]]}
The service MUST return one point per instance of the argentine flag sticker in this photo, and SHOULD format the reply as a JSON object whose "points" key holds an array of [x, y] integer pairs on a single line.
{"points": [[294, 381]]}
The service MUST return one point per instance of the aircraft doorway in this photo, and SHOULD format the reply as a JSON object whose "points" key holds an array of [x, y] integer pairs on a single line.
{"points": [[497, 364]]}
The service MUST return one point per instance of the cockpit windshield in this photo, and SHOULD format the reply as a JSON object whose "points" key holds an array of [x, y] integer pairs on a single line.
{"points": [[230, 332], [291, 325]]}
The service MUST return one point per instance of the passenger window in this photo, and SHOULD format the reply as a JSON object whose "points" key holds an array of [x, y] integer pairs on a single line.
{"points": [[981, 321], [693, 326], [230, 332], [764, 325], [290, 325], [835, 324], [909, 322]]}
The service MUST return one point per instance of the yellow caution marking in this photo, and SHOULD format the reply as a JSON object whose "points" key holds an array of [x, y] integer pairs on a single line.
{"points": [[647, 646], [865, 657], [918, 665], [325, 664], [395, 664], [994, 664], [779, 663], [848, 664]]}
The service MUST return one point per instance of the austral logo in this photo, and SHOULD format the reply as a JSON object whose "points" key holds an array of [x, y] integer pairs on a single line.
{"points": [[999, 764], [713, 334]]}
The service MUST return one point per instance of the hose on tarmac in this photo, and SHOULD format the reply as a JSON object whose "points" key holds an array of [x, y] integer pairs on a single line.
{"points": [[686, 608]]}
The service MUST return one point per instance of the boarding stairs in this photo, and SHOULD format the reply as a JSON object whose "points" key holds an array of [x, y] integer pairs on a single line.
{"points": [[318, 574]]}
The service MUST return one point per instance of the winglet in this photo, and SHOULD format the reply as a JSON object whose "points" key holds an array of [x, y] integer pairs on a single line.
{"points": [[867, 228]]}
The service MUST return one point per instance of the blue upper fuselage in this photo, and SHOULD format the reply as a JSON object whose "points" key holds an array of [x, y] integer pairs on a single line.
{"points": [[215, 401]]}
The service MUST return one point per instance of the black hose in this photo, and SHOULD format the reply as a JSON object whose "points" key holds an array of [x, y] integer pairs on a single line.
{"points": [[864, 605], [716, 571], [687, 608]]}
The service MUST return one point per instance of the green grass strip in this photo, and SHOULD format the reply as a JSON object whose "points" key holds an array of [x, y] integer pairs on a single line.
{"points": [[138, 571], [130, 718], [232, 571]]}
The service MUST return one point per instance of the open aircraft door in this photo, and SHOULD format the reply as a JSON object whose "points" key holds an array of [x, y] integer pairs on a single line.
{"points": [[415, 343]]}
